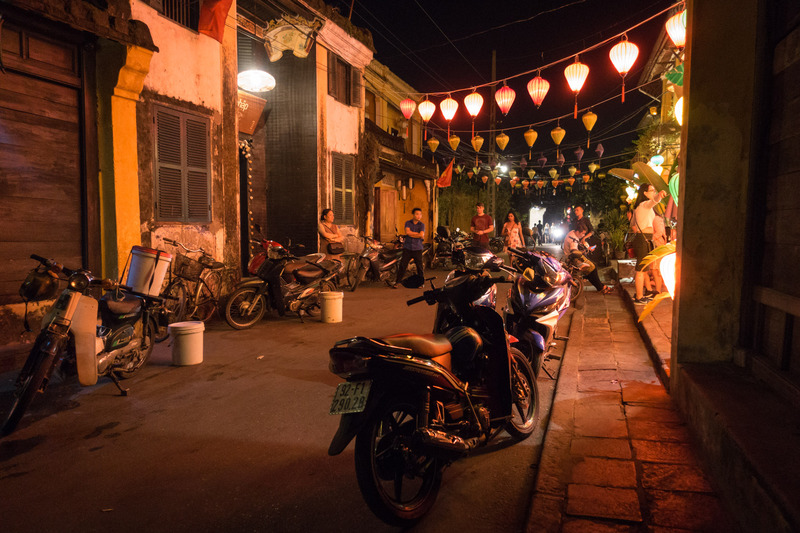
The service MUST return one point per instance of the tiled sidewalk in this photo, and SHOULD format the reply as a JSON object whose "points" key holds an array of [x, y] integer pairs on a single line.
{"points": [[617, 456]]}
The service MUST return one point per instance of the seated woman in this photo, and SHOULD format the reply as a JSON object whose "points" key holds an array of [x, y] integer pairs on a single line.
{"points": [[572, 251], [330, 238]]}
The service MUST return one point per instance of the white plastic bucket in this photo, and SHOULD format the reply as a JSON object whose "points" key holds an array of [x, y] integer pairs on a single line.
{"points": [[331, 306], [187, 343], [140, 274]]}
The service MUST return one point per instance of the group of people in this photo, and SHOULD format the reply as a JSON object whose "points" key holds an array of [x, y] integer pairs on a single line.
{"points": [[649, 232], [574, 245]]}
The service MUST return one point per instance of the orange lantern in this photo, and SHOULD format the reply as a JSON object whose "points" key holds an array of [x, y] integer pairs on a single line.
{"points": [[540, 183], [557, 134], [477, 142], [426, 109], [576, 75], [470, 174], [408, 106], [556, 183], [473, 103], [530, 138], [448, 107], [571, 181], [433, 144], [497, 180], [484, 178], [589, 120], [586, 178], [502, 141], [538, 88], [525, 183], [505, 97], [676, 28], [454, 140], [623, 55]]}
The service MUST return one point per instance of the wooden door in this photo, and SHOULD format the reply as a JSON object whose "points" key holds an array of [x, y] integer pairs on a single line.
{"points": [[388, 215]]}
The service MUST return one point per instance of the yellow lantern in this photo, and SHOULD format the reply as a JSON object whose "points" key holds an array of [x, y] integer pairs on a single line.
{"points": [[454, 140], [477, 142], [593, 167], [502, 141], [512, 173], [557, 135], [530, 137], [531, 173], [495, 172], [476, 170], [553, 172], [433, 142], [572, 170], [589, 120]]}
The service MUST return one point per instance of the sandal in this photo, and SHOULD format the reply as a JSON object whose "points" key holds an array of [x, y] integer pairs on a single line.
{"points": [[607, 289]]}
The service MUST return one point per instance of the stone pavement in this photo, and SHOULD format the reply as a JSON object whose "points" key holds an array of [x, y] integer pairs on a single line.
{"points": [[617, 456]]}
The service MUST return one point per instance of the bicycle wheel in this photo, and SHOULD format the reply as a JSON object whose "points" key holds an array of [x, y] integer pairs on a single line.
{"points": [[351, 269], [206, 295], [175, 302]]}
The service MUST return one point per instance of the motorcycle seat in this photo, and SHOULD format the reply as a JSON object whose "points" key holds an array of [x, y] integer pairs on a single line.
{"points": [[127, 305], [429, 345], [292, 267], [309, 273]]}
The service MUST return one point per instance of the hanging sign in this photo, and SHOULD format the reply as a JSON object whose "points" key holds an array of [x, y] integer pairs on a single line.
{"points": [[248, 111]]}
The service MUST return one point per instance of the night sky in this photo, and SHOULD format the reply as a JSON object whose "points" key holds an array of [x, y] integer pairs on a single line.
{"points": [[446, 46]]}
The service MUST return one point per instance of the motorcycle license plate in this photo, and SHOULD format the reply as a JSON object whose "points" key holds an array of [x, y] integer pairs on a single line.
{"points": [[350, 397]]}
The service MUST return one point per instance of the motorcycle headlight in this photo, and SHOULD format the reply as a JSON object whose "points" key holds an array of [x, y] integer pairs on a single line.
{"points": [[475, 261], [78, 282]]}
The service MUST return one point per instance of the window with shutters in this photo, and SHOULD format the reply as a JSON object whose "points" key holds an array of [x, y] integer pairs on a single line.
{"points": [[343, 188], [344, 81], [182, 167]]}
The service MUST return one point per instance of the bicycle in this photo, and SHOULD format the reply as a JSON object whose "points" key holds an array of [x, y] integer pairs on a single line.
{"points": [[193, 292]]}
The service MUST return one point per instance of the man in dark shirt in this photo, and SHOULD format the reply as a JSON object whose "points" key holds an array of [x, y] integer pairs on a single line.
{"points": [[481, 226], [412, 246], [580, 219]]}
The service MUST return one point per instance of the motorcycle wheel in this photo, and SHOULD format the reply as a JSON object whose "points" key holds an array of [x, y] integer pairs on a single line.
{"points": [[245, 308], [175, 302], [351, 271], [315, 309], [38, 365], [359, 277], [398, 484], [495, 247], [525, 396], [576, 287], [148, 341]]}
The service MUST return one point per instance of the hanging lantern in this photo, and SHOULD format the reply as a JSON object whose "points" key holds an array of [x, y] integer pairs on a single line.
{"points": [[599, 150], [538, 88], [476, 170], [454, 140], [398, 185], [676, 28], [560, 160], [410, 184], [571, 181], [556, 183], [576, 75], [477, 142], [679, 111], [579, 154], [497, 180], [542, 160], [523, 163], [408, 106], [592, 167], [433, 144], [514, 181], [530, 138], [586, 178], [470, 174], [557, 134], [623, 55], [473, 103], [572, 170], [540, 183], [484, 178], [502, 141], [512, 173], [531, 173], [657, 160], [448, 106], [589, 120], [459, 168], [505, 97], [525, 183], [553, 173], [426, 109], [495, 172]]}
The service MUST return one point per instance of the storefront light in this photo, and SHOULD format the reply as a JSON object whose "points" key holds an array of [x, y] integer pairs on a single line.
{"points": [[255, 81]]}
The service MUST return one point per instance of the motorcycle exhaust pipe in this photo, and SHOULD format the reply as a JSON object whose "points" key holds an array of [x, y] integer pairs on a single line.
{"points": [[441, 441]]}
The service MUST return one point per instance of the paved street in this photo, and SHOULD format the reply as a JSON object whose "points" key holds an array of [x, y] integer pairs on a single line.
{"points": [[238, 443]]}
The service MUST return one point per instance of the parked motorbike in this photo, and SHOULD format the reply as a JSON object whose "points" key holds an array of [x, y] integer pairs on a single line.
{"points": [[110, 335], [445, 243], [416, 403], [379, 262], [497, 244], [539, 297], [282, 281], [578, 270]]}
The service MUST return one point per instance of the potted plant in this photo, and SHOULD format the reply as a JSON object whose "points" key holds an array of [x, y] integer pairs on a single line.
{"points": [[617, 226]]}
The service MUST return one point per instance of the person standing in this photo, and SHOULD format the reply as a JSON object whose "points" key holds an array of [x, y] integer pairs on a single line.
{"points": [[481, 226], [642, 228], [412, 246], [512, 231]]}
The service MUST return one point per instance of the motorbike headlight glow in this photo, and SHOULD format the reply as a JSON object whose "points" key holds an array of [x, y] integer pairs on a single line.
{"points": [[78, 282], [475, 261]]}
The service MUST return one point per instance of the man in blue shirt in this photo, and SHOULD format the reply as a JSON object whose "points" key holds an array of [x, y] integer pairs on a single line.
{"points": [[412, 246]]}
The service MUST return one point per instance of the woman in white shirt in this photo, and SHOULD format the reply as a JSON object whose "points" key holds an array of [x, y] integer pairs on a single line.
{"points": [[642, 227]]}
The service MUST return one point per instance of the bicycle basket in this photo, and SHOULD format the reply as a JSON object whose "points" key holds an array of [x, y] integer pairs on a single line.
{"points": [[188, 268]]}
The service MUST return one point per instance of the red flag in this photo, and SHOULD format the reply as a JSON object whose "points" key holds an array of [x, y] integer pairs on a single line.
{"points": [[447, 176], [212, 18]]}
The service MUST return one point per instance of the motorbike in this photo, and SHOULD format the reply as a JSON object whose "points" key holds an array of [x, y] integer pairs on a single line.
{"points": [[416, 403], [445, 243], [282, 282], [96, 327], [577, 270], [379, 262], [540, 296], [497, 244]]}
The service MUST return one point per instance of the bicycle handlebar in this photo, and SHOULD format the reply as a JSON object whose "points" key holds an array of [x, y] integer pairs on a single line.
{"points": [[175, 243]]}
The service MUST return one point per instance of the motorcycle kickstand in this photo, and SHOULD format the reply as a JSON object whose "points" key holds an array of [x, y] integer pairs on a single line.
{"points": [[115, 379]]}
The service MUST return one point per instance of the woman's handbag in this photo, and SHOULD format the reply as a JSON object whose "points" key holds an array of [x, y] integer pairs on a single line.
{"points": [[335, 248]]}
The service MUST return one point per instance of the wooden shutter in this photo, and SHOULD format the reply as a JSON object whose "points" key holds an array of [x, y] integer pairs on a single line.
{"points": [[355, 87], [332, 64], [349, 184], [169, 182], [198, 197], [338, 187]]}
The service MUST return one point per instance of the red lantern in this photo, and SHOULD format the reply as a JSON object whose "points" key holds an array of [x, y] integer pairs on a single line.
{"points": [[576, 75], [538, 88], [408, 106], [505, 97], [623, 55]]}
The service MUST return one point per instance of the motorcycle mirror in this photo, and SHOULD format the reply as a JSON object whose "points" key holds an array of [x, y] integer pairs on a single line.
{"points": [[494, 264], [413, 282]]}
